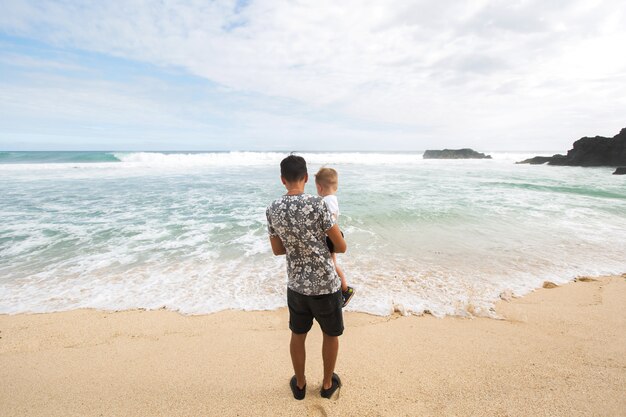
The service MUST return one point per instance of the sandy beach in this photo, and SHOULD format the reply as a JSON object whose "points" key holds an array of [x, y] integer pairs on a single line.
{"points": [[554, 352]]}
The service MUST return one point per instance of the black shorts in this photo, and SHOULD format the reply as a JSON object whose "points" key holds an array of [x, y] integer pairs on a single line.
{"points": [[329, 243], [326, 309]]}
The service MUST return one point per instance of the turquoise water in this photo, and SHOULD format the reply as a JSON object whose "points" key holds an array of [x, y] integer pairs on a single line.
{"points": [[42, 157], [187, 230]]}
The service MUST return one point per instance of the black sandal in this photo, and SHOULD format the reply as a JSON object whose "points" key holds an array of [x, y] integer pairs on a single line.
{"points": [[336, 384], [347, 296], [298, 393]]}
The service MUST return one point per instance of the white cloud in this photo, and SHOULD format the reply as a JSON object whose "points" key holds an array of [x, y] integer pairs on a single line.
{"points": [[465, 72]]}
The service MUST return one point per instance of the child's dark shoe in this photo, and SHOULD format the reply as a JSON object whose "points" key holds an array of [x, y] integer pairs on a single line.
{"points": [[347, 295]]}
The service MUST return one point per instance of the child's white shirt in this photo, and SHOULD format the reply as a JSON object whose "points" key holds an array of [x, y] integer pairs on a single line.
{"points": [[333, 205]]}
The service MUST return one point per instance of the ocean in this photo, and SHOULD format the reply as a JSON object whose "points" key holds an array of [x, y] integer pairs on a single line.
{"points": [[187, 230]]}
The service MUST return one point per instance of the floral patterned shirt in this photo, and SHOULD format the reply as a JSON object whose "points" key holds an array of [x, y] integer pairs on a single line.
{"points": [[301, 222]]}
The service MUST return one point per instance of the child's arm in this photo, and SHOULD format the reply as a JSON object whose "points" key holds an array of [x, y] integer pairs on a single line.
{"points": [[334, 234], [277, 246]]}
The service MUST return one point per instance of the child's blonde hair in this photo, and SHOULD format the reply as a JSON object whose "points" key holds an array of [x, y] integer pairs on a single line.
{"points": [[327, 178]]}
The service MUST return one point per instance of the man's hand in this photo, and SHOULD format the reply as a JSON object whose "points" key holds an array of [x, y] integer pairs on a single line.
{"points": [[277, 246], [339, 242]]}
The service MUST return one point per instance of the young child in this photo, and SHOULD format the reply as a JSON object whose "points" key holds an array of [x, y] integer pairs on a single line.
{"points": [[326, 181]]}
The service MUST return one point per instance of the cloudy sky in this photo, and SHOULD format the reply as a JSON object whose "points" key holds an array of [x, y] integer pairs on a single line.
{"points": [[310, 75]]}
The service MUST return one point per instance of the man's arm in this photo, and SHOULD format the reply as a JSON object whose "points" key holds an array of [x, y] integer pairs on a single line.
{"points": [[334, 234], [277, 246]]}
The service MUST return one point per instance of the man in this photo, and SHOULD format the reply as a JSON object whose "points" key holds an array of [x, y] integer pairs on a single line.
{"points": [[298, 224]]}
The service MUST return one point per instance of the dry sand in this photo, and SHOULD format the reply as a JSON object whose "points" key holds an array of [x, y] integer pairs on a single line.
{"points": [[556, 352]]}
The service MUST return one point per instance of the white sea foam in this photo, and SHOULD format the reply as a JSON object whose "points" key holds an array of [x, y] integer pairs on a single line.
{"points": [[172, 160], [230, 159], [219, 159]]}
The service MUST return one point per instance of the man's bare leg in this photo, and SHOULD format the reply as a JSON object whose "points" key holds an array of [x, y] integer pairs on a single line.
{"points": [[330, 348], [298, 357]]}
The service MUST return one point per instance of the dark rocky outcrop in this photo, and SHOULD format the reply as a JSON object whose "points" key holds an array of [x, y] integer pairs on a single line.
{"points": [[620, 171], [538, 160], [589, 152], [455, 154]]}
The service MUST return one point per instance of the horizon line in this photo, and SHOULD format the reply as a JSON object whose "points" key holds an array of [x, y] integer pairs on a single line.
{"points": [[267, 151]]}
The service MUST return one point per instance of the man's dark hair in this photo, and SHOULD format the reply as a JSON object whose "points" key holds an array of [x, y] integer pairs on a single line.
{"points": [[293, 168]]}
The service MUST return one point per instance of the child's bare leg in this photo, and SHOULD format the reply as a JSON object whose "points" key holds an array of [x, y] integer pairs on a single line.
{"points": [[344, 283]]}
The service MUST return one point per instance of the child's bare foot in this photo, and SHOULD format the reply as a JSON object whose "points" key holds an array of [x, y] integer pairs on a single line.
{"points": [[347, 295]]}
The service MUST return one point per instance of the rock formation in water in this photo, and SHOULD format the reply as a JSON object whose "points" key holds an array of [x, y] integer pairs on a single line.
{"points": [[620, 171], [589, 152], [455, 154]]}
